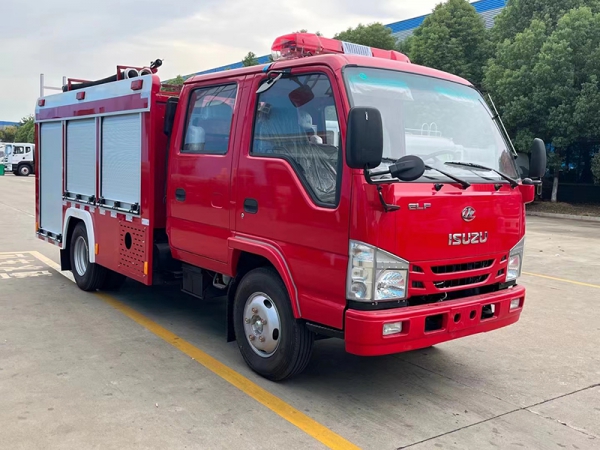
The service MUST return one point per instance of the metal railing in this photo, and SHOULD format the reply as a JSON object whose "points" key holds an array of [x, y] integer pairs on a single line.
{"points": [[43, 87]]}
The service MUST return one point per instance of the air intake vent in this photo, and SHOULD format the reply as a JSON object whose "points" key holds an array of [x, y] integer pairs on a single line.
{"points": [[460, 282], [463, 267]]}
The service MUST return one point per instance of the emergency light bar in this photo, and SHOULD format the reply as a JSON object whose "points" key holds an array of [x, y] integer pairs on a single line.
{"points": [[301, 45]]}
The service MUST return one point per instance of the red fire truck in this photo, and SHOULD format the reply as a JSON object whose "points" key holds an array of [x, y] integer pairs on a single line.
{"points": [[340, 191]]}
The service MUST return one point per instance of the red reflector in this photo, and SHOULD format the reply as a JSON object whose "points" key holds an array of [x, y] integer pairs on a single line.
{"points": [[136, 85], [41, 102], [81, 95]]}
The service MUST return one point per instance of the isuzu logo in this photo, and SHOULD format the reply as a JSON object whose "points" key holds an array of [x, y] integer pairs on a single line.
{"points": [[468, 214], [480, 237]]}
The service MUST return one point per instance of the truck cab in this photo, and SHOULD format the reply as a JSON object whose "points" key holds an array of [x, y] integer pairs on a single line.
{"points": [[19, 158]]}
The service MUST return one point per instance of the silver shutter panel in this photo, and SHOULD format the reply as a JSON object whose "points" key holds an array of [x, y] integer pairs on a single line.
{"points": [[51, 177], [81, 157], [121, 158]]}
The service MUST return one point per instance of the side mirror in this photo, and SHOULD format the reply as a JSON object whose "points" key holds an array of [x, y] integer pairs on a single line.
{"points": [[364, 138], [170, 110], [537, 165], [408, 168]]}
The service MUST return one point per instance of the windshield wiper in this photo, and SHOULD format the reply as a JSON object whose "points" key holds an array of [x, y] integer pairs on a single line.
{"points": [[513, 183], [463, 183]]}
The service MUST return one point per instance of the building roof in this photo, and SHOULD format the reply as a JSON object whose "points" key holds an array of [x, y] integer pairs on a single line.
{"points": [[4, 124], [488, 9], [481, 6]]}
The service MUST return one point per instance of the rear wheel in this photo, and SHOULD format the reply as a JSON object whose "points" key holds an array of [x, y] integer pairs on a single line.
{"points": [[88, 276], [273, 343], [24, 170]]}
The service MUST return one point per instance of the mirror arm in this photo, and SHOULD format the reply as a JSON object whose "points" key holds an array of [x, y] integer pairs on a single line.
{"points": [[529, 182], [368, 175], [386, 206]]}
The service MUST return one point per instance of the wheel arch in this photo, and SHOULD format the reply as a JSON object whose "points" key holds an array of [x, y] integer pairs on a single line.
{"points": [[72, 217], [247, 254]]}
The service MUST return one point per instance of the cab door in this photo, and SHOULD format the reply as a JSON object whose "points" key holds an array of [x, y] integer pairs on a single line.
{"points": [[292, 189], [199, 193]]}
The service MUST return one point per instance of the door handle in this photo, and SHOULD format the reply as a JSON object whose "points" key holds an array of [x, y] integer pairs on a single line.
{"points": [[180, 194], [250, 206]]}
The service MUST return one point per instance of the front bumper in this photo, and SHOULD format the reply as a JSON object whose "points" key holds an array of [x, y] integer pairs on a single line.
{"points": [[455, 319]]}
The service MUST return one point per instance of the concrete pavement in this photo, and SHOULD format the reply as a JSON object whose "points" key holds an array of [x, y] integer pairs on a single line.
{"points": [[77, 373]]}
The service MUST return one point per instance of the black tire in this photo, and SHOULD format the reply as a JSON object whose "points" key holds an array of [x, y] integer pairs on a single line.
{"points": [[295, 341], [24, 170], [94, 275], [113, 281]]}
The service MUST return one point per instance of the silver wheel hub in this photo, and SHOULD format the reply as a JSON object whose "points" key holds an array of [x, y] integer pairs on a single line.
{"points": [[261, 324], [81, 256]]}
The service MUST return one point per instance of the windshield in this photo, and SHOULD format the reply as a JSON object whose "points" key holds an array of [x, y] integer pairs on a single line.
{"points": [[437, 120]]}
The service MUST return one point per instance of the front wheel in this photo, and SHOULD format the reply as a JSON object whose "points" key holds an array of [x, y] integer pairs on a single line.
{"points": [[88, 276], [24, 170], [273, 343]]}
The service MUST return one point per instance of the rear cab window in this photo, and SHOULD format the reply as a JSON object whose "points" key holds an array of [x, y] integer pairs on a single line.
{"points": [[209, 118]]}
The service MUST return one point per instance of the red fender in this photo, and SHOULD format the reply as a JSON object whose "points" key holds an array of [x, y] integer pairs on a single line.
{"points": [[274, 255]]}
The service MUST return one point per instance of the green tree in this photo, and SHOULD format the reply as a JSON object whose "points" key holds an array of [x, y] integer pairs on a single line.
{"points": [[405, 45], [26, 130], [177, 81], [173, 85], [596, 168], [374, 35], [8, 134], [518, 15], [250, 60], [547, 84], [304, 30], [453, 39]]}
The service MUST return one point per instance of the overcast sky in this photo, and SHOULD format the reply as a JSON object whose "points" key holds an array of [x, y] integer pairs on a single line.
{"points": [[81, 39]]}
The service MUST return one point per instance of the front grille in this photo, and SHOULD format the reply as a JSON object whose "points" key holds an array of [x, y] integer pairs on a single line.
{"points": [[452, 268], [418, 269], [460, 282]]}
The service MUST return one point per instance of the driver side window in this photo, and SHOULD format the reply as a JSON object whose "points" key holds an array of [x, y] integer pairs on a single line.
{"points": [[296, 120]]}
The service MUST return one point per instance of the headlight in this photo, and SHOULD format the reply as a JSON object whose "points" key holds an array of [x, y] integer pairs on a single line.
{"points": [[515, 261], [375, 275]]}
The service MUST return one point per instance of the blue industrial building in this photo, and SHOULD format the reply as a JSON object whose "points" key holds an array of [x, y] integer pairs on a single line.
{"points": [[4, 124], [488, 9]]}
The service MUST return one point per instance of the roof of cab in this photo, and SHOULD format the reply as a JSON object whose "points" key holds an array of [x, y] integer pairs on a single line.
{"points": [[335, 62]]}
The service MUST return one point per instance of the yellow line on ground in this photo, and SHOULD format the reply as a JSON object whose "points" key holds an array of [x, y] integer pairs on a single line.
{"points": [[274, 403], [310, 426], [562, 279]]}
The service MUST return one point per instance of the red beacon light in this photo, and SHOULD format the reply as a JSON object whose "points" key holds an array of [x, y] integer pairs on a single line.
{"points": [[301, 45]]}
